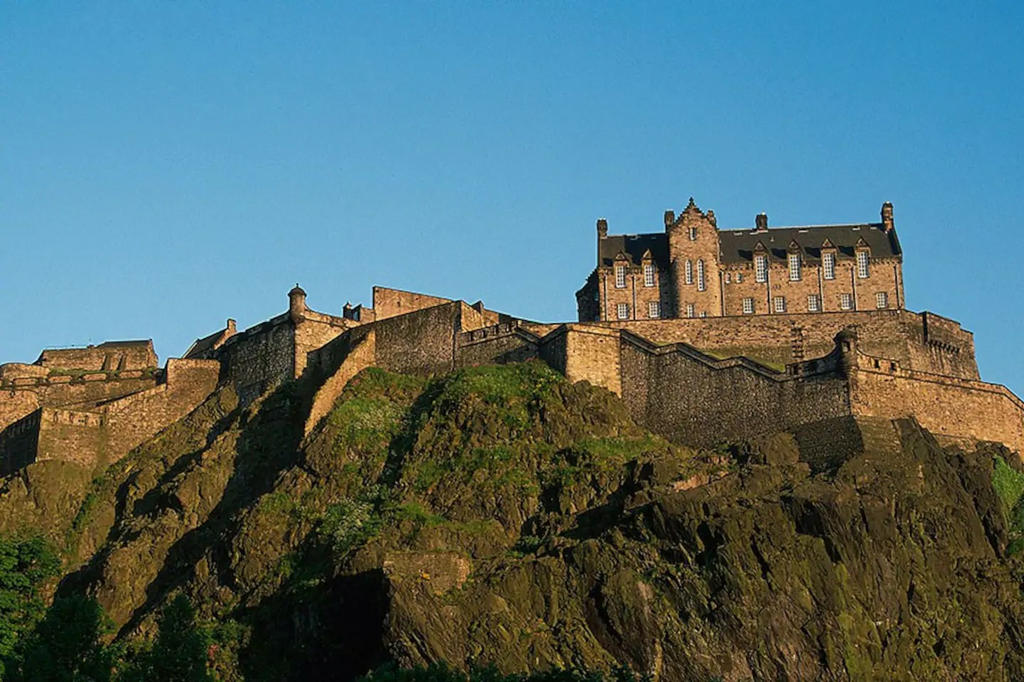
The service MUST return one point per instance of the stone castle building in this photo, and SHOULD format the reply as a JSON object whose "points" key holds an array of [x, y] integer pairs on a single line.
{"points": [[693, 269], [718, 359]]}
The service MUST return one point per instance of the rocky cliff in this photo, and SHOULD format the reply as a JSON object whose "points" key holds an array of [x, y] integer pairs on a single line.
{"points": [[503, 515]]}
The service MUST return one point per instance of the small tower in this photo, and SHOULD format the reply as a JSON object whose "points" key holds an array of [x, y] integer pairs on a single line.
{"points": [[846, 344], [296, 303]]}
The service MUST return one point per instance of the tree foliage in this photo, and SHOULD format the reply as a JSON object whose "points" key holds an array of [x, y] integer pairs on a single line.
{"points": [[25, 564], [180, 651]]}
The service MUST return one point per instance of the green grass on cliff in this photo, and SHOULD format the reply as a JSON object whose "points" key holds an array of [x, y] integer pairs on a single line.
{"points": [[1009, 486]]}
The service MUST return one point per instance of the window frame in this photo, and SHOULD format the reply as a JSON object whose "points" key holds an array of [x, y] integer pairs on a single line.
{"points": [[691, 310], [622, 311], [813, 303], [881, 300], [863, 264], [778, 304], [846, 301], [702, 280], [620, 276], [760, 268], [828, 264], [748, 305], [654, 310], [648, 275], [688, 271], [795, 267]]}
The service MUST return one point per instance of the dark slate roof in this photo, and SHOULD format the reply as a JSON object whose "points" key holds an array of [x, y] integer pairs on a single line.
{"points": [[634, 246], [737, 246], [200, 347]]}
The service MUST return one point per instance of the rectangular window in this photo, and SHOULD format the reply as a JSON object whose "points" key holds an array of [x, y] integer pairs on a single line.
{"points": [[689, 272], [779, 304], [828, 265], [845, 301], [622, 310], [689, 310], [881, 300], [813, 303], [862, 264], [648, 275], [693, 234], [653, 310], [701, 283], [748, 306], [760, 268], [739, 277], [794, 267], [620, 276]]}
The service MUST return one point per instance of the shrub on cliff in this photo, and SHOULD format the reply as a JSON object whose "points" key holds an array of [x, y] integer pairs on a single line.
{"points": [[25, 563]]}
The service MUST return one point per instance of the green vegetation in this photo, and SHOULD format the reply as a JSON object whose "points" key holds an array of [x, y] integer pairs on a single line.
{"points": [[25, 564], [66, 645], [1009, 486], [179, 651]]}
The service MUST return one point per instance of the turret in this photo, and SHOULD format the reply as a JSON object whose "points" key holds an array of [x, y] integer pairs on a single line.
{"points": [[296, 303], [887, 221], [846, 344]]}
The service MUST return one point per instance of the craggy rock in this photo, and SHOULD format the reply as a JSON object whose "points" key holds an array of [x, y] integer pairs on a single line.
{"points": [[502, 515]]}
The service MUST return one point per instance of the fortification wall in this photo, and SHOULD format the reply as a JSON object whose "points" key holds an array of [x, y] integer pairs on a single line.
{"points": [[136, 418], [314, 332], [104, 357], [392, 302], [920, 341], [72, 436], [359, 353], [24, 395], [687, 396], [421, 342], [496, 344], [259, 357], [18, 443], [958, 408]]}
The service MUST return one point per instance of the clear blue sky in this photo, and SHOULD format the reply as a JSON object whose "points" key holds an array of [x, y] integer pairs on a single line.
{"points": [[166, 165]]}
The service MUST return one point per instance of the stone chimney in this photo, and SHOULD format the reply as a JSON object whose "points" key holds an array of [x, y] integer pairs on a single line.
{"points": [[887, 222], [761, 222], [670, 217], [231, 328], [296, 303], [602, 228]]}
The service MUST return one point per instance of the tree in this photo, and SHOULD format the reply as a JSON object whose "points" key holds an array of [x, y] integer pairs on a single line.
{"points": [[179, 652], [66, 646], [25, 563]]}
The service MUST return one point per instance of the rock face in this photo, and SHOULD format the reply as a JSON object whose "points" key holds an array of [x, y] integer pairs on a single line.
{"points": [[503, 515]]}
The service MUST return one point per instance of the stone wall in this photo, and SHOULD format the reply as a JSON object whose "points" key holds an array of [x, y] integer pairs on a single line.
{"points": [[359, 354], [959, 408], [136, 418], [498, 344], [24, 395], [71, 436], [19, 443], [392, 302], [920, 341], [683, 394], [259, 357], [109, 356]]}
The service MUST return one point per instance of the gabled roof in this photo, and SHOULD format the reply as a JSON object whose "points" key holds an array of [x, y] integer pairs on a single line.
{"points": [[737, 246]]}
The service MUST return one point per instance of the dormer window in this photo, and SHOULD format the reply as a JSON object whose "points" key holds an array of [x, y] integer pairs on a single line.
{"points": [[689, 272], [794, 267], [620, 276], [702, 284], [760, 268], [648, 274], [862, 264], [828, 264]]}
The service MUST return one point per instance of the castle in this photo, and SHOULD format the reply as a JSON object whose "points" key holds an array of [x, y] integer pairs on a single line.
{"points": [[686, 326]]}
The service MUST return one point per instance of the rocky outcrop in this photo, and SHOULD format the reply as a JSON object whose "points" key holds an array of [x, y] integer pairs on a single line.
{"points": [[503, 515]]}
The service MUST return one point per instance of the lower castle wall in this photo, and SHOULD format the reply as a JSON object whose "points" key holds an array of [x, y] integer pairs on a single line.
{"points": [[77, 437], [19, 443], [495, 349], [66, 391], [136, 418], [422, 342], [258, 358], [943, 405], [687, 400]]}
